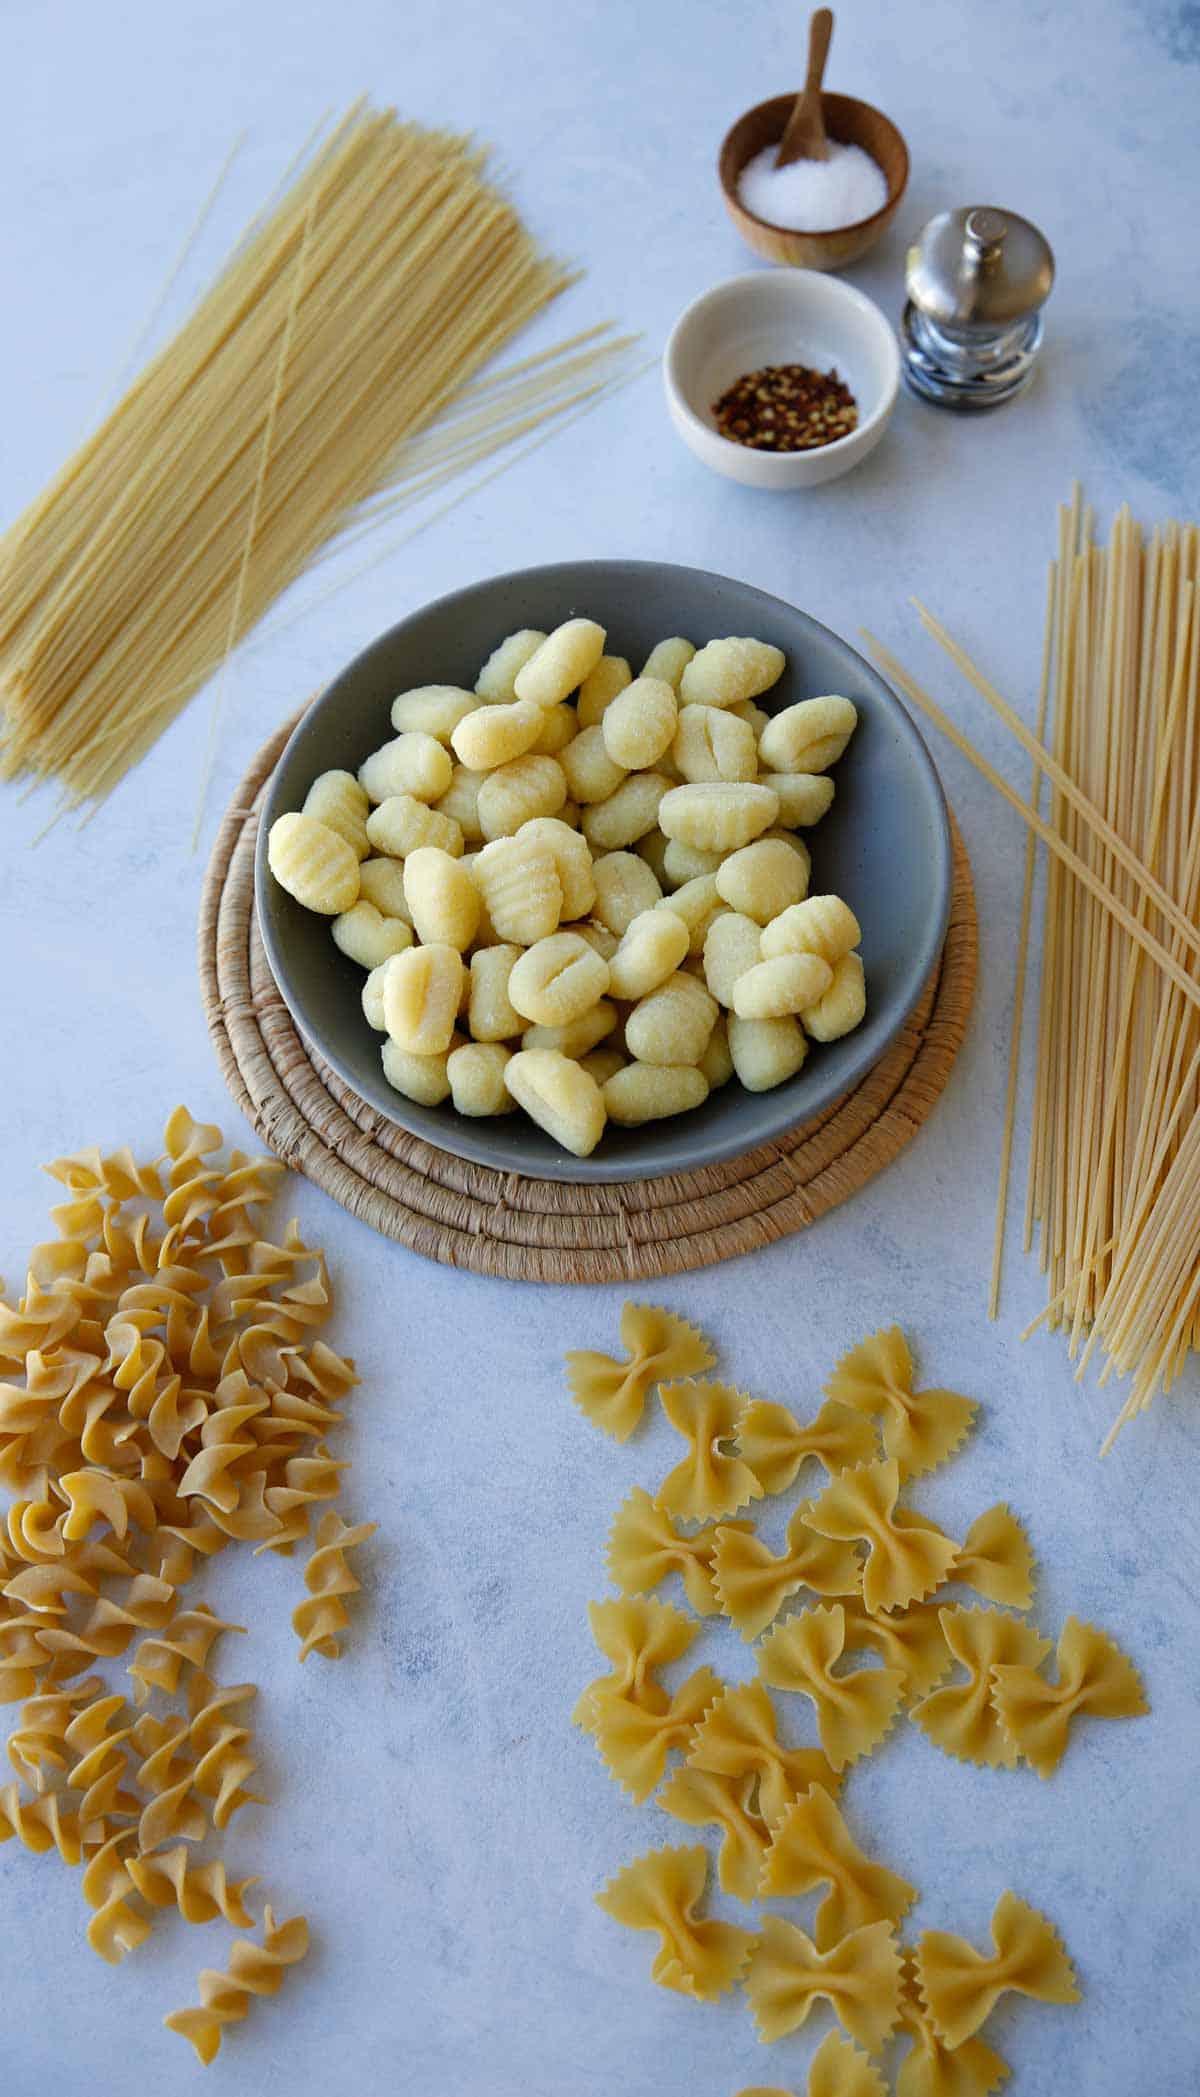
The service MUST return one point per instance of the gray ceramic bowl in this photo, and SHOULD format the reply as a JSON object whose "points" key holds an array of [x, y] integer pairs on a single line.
{"points": [[885, 846]]}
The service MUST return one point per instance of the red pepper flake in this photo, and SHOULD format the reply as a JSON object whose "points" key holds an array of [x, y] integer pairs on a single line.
{"points": [[786, 407]]}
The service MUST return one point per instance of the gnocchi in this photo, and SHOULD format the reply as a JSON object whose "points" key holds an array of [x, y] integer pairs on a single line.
{"points": [[581, 893]]}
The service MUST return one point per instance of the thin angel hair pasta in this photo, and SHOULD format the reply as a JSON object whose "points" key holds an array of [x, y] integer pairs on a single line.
{"points": [[710, 1480], [775, 1445], [754, 1583], [662, 1892], [961, 1986], [933, 2069], [859, 1978], [907, 1555], [253, 1969], [920, 1429], [645, 1546], [854, 1710], [1094, 1676], [738, 1737], [811, 1846], [959, 1717], [702, 1798]]}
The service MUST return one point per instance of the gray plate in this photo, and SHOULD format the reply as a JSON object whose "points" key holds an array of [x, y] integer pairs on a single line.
{"points": [[884, 846]]}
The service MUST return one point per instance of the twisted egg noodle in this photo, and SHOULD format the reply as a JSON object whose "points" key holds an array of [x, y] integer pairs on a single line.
{"points": [[996, 1559], [960, 1986], [41, 1823], [859, 1978], [200, 1891], [703, 1798], [321, 1618], [638, 1637], [253, 1969], [116, 1927], [854, 1710], [932, 2069], [634, 1742], [753, 1584], [907, 1555], [95, 1739], [167, 1771], [159, 1663], [775, 1445], [920, 1429], [738, 1737], [959, 1717], [1036, 1715], [220, 1745], [710, 1480], [909, 1640], [662, 1891], [811, 1846], [37, 1745], [645, 1547], [660, 1346], [839, 2070]]}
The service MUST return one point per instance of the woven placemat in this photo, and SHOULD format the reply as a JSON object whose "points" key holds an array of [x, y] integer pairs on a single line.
{"points": [[545, 1230]]}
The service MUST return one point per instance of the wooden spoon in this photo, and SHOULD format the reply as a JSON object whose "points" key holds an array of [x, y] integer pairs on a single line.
{"points": [[805, 137]]}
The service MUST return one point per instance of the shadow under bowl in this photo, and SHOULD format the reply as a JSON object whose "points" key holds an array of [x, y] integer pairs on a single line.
{"points": [[849, 123]]}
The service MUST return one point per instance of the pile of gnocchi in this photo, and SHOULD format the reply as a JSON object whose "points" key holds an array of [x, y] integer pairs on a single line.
{"points": [[581, 892]]}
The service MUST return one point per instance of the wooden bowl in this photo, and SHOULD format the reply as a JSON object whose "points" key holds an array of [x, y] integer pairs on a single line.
{"points": [[851, 123]]}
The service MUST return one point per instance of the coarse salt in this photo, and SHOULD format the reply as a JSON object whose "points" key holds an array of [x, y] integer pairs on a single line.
{"points": [[813, 196]]}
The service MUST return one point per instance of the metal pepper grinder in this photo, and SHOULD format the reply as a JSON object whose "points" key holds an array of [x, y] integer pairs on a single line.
{"points": [[977, 280]]}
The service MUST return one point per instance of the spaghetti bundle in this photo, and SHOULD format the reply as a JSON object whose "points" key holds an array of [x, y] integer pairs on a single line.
{"points": [[344, 323], [1113, 1190]]}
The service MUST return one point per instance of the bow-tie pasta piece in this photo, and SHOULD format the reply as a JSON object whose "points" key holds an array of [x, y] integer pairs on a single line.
{"points": [[910, 1640], [961, 1986], [645, 1546], [907, 1555], [839, 2070], [738, 1737], [711, 1480], [725, 672], [933, 2069], [812, 1846], [960, 1717], [775, 1445], [920, 1429], [996, 1559], [634, 1742], [859, 1978], [1094, 1676], [661, 1347], [702, 1798], [854, 1710], [638, 1637], [754, 1584], [662, 1892]]}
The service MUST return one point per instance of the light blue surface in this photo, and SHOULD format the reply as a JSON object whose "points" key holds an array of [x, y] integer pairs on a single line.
{"points": [[433, 1809]]}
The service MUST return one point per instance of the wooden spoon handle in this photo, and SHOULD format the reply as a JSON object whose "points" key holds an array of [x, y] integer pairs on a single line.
{"points": [[804, 138]]}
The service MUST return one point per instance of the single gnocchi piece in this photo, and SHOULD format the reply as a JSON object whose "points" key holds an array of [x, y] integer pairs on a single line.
{"points": [[673, 1023], [625, 886], [698, 902], [560, 1096], [843, 1006], [668, 660], [381, 881], [728, 671], [600, 687], [579, 1036], [650, 1092], [461, 803], [337, 800], [518, 880], [717, 817], [804, 797], [364, 935], [432, 709], [752, 715], [413, 763], [639, 726], [602, 1063], [491, 1014], [562, 662], [717, 1061], [560, 726], [810, 736], [597, 936], [558, 980], [425, 1079], [402, 824], [626, 816], [683, 863], [653, 946], [732, 945], [712, 744], [372, 998], [653, 849], [591, 774], [476, 1075], [496, 682], [515, 793], [766, 1052], [421, 994], [787, 984], [572, 858], [763, 879], [313, 863], [821, 925], [443, 898], [494, 735]]}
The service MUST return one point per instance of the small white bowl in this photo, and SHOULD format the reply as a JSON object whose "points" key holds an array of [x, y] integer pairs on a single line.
{"points": [[795, 316]]}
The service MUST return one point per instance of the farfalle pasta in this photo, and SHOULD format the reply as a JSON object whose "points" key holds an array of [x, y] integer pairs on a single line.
{"points": [[839, 2070], [995, 1558], [754, 1583], [661, 1892], [711, 1479], [1036, 1715], [909, 1640], [855, 1709], [859, 1977], [907, 1555], [959, 1716], [960, 1986], [661, 1347], [636, 1722], [920, 1429], [931, 2068], [811, 1846], [775, 1445], [738, 1737], [645, 1546], [704, 1798]]}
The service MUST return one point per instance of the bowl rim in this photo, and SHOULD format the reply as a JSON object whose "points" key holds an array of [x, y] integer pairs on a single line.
{"points": [[818, 233], [801, 279], [460, 1137]]}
